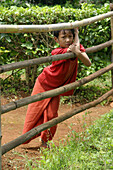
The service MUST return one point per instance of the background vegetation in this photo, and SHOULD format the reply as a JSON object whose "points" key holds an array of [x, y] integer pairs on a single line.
{"points": [[93, 148], [66, 3], [19, 47]]}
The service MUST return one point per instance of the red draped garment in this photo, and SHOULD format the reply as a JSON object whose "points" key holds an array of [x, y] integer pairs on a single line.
{"points": [[59, 73]]}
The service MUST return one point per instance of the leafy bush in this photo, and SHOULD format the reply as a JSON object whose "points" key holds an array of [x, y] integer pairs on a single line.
{"points": [[24, 46], [66, 3], [74, 3]]}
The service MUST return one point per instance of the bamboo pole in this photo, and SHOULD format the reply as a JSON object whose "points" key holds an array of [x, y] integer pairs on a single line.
{"points": [[0, 130], [99, 47], [21, 139], [36, 61], [31, 62], [52, 27], [22, 102], [111, 7]]}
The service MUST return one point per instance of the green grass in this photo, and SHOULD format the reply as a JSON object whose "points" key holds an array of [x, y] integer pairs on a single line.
{"points": [[89, 150]]}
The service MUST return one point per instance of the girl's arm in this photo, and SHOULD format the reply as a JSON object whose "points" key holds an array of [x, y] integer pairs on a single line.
{"points": [[75, 48], [76, 39], [81, 55]]}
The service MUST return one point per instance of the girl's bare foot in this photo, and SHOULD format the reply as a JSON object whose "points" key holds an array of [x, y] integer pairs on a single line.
{"points": [[45, 145]]}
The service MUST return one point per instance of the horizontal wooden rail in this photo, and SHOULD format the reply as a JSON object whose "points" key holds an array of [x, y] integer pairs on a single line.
{"points": [[21, 139], [52, 27], [99, 47], [36, 61], [22, 102]]}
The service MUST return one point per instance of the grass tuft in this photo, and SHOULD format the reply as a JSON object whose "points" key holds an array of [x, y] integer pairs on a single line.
{"points": [[92, 149]]}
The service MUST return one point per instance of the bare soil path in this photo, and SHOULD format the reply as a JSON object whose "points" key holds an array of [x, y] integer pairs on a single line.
{"points": [[12, 125]]}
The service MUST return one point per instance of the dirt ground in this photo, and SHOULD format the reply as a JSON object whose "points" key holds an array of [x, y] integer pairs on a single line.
{"points": [[12, 125]]}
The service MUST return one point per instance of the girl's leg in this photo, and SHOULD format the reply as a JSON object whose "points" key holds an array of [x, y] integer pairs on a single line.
{"points": [[34, 115], [40, 112], [50, 112]]}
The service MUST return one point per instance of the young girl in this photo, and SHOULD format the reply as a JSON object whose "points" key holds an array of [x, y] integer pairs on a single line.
{"points": [[59, 73]]}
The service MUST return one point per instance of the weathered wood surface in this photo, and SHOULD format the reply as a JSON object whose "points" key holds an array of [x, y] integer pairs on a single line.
{"points": [[22, 102], [111, 7], [36, 61], [99, 47], [0, 131], [52, 27], [21, 139]]}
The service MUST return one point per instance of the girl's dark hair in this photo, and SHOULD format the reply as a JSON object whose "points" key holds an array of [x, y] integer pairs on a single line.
{"points": [[56, 33]]}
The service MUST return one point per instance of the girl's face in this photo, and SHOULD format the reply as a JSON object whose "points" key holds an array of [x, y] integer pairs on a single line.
{"points": [[65, 38]]}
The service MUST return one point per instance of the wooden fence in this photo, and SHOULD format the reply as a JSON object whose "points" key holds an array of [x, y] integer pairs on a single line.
{"points": [[22, 102]]}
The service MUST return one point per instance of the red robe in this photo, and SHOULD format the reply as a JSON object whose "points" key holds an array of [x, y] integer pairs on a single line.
{"points": [[40, 112], [59, 73]]}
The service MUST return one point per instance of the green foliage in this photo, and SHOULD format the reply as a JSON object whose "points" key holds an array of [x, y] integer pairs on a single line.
{"points": [[90, 91], [91, 149], [17, 3], [25, 3], [13, 84], [32, 45], [3, 53], [66, 3], [85, 94], [19, 47]]}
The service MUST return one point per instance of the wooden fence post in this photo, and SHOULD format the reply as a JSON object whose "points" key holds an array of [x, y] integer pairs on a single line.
{"points": [[111, 8], [0, 131]]}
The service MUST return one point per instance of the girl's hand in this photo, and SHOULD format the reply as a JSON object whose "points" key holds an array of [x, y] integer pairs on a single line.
{"points": [[76, 30], [74, 48], [76, 39]]}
